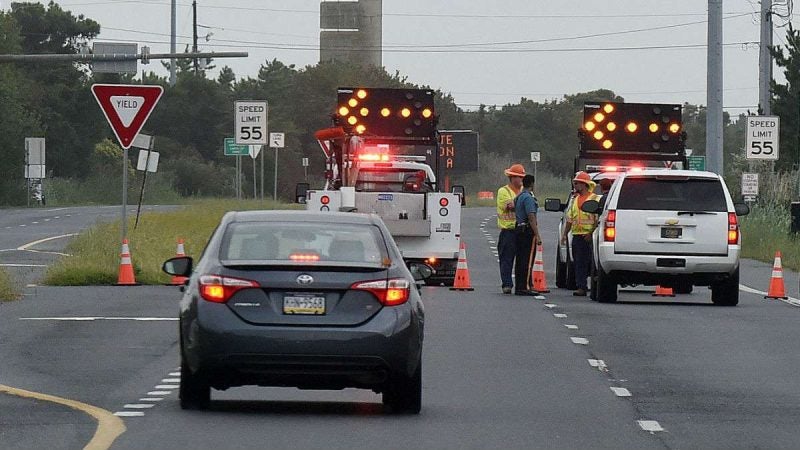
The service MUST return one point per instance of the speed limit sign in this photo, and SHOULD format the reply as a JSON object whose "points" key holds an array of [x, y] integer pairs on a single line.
{"points": [[763, 133], [250, 124]]}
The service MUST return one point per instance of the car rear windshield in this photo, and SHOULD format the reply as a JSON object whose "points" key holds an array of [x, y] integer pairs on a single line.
{"points": [[302, 242], [675, 194]]}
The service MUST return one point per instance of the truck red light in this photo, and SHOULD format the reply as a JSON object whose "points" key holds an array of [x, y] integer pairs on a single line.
{"points": [[324, 199], [443, 202]]}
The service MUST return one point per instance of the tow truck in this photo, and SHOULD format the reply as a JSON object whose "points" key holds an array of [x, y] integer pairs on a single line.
{"points": [[376, 163]]}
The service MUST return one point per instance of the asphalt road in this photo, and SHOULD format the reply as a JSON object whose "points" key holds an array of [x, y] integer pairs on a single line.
{"points": [[499, 371]]}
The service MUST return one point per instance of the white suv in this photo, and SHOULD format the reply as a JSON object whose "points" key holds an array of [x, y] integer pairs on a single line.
{"points": [[673, 228]]}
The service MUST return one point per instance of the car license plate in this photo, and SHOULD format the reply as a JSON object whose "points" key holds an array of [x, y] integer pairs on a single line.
{"points": [[303, 304], [671, 232]]}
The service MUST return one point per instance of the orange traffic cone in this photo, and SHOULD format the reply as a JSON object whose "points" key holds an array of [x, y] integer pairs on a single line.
{"points": [[663, 292], [462, 282], [126, 277], [539, 282], [178, 280], [776, 289]]}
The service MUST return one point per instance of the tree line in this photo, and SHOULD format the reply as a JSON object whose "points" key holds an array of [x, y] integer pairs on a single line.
{"points": [[195, 115]]}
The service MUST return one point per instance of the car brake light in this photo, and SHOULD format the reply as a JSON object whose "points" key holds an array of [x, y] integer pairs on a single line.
{"points": [[610, 227], [392, 292], [219, 289], [733, 229]]}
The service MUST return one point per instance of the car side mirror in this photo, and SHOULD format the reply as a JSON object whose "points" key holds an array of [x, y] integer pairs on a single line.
{"points": [[178, 266], [420, 271], [742, 209], [461, 192], [591, 206], [301, 192], [554, 205]]}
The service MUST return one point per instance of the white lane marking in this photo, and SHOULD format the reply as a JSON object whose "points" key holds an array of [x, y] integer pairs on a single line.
{"points": [[129, 414], [790, 301], [549, 305], [597, 363], [174, 374], [151, 399], [89, 319], [22, 265], [579, 340], [571, 327], [540, 297], [493, 247], [31, 244], [171, 380], [621, 392], [650, 425], [47, 220], [34, 222], [159, 393], [560, 316], [138, 406], [167, 386], [23, 225]]}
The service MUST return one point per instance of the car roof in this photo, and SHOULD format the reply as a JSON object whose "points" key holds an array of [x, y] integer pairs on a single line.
{"points": [[300, 216], [675, 173]]}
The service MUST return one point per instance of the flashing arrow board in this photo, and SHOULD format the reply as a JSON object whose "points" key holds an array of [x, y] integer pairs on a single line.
{"points": [[126, 107]]}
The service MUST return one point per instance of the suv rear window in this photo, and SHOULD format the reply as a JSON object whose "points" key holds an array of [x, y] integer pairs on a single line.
{"points": [[687, 194]]}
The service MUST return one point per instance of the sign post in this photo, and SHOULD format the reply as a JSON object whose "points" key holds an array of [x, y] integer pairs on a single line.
{"points": [[276, 142], [126, 107]]}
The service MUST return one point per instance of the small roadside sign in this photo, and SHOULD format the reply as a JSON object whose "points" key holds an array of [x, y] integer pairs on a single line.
{"points": [[151, 163], [126, 107], [254, 150], [250, 124], [276, 140], [536, 156], [696, 162], [144, 141], [233, 149], [749, 184], [762, 137], [305, 162]]}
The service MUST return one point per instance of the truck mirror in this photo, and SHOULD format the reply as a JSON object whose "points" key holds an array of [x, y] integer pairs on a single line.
{"points": [[461, 192], [554, 205], [742, 209], [591, 206], [301, 192]]}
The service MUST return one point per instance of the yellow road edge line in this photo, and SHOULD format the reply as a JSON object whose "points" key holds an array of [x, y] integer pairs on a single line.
{"points": [[109, 426]]}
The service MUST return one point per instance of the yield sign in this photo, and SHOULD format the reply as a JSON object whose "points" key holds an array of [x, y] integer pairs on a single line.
{"points": [[126, 107]]}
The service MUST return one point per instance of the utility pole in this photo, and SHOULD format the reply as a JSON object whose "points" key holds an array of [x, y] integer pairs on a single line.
{"points": [[194, 34], [714, 141], [173, 77], [765, 59]]}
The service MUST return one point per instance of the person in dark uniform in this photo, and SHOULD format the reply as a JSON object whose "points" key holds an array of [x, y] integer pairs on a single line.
{"points": [[527, 232]]}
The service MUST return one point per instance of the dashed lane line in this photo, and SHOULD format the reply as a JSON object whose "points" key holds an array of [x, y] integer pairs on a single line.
{"points": [[579, 340], [621, 392], [650, 425]]}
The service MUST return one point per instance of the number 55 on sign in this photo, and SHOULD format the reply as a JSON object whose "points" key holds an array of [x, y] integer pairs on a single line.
{"points": [[762, 140], [250, 124]]}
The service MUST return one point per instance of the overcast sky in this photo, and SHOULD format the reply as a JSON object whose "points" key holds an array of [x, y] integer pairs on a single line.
{"points": [[462, 46]]}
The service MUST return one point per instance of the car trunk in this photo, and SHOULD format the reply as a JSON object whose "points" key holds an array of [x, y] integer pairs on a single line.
{"points": [[288, 297]]}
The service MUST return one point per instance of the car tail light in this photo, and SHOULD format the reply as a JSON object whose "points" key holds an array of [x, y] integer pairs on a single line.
{"points": [[219, 289], [431, 261], [391, 292], [610, 227], [733, 229]]}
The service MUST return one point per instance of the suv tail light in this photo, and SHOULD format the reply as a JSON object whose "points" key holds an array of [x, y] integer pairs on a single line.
{"points": [[733, 229], [219, 289], [610, 231], [391, 292]]}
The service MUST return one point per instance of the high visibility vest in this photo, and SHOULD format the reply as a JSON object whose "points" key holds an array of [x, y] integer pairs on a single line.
{"points": [[582, 222], [506, 220]]}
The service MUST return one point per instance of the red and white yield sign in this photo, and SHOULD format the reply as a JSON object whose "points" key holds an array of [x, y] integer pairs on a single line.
{"points": [[126, 107]]}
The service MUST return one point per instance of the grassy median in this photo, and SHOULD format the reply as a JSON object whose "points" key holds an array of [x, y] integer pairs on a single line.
{"points": [[7, 289]]}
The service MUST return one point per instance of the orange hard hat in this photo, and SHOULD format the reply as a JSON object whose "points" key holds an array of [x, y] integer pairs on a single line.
{"points": [[583, 177], [516, 170]]}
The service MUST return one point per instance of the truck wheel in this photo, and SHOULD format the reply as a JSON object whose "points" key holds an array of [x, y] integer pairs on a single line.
{"points": [[561, 271], [606, 287], [726, 293], [571, 285], [684, 288]]}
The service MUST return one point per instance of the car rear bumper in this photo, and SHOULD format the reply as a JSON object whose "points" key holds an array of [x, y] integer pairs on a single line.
{"points": [[230, 352]]}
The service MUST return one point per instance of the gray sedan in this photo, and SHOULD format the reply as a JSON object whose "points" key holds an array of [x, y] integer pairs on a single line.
{"points": [[303, 299]]}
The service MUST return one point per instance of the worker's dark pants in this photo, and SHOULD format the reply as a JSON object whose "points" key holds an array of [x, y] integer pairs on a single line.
{"points": [[582, 259], [507, 251]]}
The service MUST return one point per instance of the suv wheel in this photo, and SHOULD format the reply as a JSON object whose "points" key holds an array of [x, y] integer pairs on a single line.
{"points": [[561, 271], [404, 393], [194, 392], [726, 293], [606, 287], [684, 288], [571, 285]]}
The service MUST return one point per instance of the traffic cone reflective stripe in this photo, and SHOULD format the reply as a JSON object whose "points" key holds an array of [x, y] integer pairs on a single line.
{"points": [[178, 280], [461, 282], [539, 281], [776, 288], [126, 277], [664, 292]]}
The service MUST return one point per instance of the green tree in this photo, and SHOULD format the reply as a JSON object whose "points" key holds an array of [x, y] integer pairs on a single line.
{"points": [[786, 99]]}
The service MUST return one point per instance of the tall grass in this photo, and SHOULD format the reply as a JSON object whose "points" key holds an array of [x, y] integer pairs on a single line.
{"points": [[96, 253], [8, 290]]}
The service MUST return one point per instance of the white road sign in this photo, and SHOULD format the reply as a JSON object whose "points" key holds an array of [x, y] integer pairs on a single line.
{"points": [[250, 124], [750, 184], [254, 151], [276, 140], [536, 156], [150, 164], [762, 137]]}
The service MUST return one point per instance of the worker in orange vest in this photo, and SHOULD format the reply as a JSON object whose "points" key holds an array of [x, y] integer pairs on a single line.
{"points": [[507, 221], [582, 224]]}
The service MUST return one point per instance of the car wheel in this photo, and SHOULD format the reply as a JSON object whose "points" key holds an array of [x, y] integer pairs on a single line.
{"points": [[404, 394], [194, 392], [561, 271], [606, 287], [726, 293], [571, 284], [684, 288], [593, 282]]}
